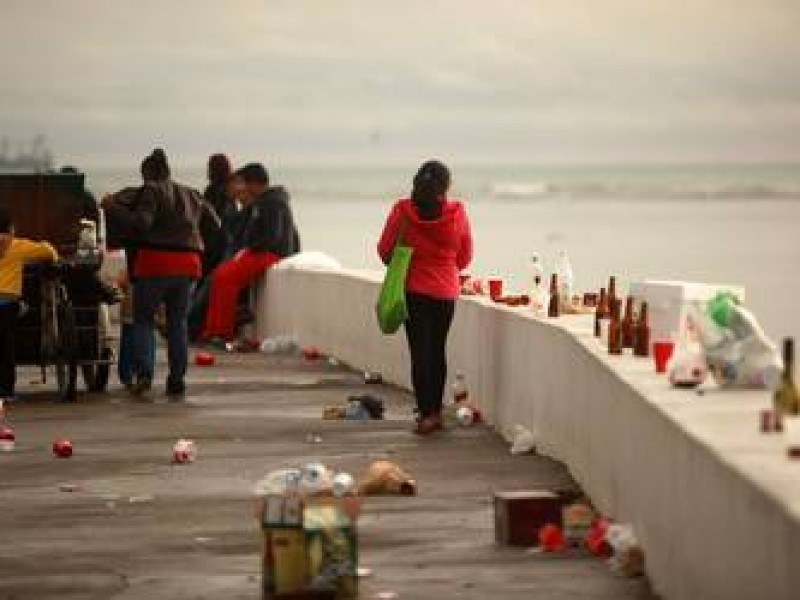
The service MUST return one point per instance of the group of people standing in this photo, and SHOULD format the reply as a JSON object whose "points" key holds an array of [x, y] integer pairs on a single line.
{"points": [[196, 254], [193, 254]]}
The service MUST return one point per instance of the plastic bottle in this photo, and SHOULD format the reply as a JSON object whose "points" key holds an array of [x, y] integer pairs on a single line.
{"points": [[537, 273], [566, 277], [459, 388]]}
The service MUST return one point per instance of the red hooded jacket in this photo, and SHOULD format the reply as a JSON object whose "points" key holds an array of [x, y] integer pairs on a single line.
{"points": [[442, 247]]}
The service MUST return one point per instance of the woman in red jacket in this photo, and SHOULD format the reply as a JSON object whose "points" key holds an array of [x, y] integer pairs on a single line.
{"points": [[438, 230]]}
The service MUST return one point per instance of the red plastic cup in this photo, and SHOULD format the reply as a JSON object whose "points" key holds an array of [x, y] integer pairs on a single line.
{"points": [[204, 359], [495, 288], [662, 352]]}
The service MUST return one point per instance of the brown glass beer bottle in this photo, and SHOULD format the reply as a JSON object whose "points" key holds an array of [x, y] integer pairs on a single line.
{"points": [[601, 312], [615, 330], [642, 347], [554, 305]]}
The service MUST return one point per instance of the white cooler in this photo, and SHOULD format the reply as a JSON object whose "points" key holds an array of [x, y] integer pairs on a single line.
{"points": [[667, 302]]}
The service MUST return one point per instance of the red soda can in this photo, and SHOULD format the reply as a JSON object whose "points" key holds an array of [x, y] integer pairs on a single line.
{"points": [[771, 421]]}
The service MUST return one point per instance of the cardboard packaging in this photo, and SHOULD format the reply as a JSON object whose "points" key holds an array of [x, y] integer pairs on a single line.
{"points": [[519, 515], [310, 549], [668, 302]]}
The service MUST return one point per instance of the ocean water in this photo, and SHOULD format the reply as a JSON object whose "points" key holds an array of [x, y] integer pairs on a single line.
{"points": [[718, 224]]}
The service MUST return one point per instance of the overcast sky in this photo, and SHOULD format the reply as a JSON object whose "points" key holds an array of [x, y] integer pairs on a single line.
{"points": [[341, 81]]}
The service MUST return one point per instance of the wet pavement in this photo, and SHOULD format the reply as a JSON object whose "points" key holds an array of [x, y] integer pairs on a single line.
{"points": [[120, 520]]}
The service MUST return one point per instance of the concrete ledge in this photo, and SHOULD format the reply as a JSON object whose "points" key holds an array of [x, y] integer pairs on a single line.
{"points": [[715, 504]]}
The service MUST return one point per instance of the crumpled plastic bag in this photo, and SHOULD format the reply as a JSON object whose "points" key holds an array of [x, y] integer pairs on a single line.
{"points": [[523, 440], [278, 483], [737, 351], [628, 559], [385, 477]]}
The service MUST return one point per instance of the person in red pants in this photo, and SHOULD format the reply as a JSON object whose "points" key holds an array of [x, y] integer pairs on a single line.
{"points": [[269, 235]]}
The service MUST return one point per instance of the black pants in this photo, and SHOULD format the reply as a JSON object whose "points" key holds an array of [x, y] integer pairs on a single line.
{"points": [[428, 324], [8, 365]]}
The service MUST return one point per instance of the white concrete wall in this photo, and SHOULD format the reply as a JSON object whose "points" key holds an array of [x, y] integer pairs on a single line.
{"points": [[715, 504]]}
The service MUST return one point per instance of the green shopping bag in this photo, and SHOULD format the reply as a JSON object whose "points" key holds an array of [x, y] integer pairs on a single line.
{"points": [[391, 309]]}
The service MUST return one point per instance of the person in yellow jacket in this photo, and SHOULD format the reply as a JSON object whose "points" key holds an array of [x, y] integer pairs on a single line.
{"points": [[14, 254]]}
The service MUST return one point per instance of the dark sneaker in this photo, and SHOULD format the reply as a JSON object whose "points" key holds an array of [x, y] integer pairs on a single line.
{"points": [[141, 385], [176, 389]]}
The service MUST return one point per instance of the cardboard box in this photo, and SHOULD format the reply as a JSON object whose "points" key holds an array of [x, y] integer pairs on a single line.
{"points": [[667, 302], [519, 515], [310, 548]]}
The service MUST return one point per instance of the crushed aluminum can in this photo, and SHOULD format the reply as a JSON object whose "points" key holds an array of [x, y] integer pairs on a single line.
{"points": [[62, 448], [184, 451], [7, 439]]}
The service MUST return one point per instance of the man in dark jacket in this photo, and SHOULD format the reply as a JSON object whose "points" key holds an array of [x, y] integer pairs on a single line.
{"points": [[165, 225], [269, 235]]}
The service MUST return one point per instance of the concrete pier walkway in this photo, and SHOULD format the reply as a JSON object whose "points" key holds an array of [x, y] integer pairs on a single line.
{"points": [[118, 520]]}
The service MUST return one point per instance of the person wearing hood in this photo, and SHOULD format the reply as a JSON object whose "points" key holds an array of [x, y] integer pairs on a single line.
{"points": [[438, 230], [269, 235]]}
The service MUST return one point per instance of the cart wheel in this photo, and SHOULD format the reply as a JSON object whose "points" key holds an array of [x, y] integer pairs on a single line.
{"points": [[96, 376], [65, 364]]}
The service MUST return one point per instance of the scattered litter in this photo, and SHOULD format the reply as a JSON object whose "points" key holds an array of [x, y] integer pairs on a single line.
{"points": [[312, 353], [334, 413], [465, 415], [244, 346], [596, 540], [344, 485], [184, 451], [315, 478], [69, 487], [143, 499], [111, 505], [373, 377], [577, 519], [628, 559], [282, 344], [523, 440], [385, 477], [203, 540], [278, 483], [62, 448], [359, 408], [386, 595], [314, 438], [363, 572], [7, 439], [204, 359], [552, 538]]}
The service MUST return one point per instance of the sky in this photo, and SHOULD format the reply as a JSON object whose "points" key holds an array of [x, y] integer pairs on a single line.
{"points": [[380, 82]]}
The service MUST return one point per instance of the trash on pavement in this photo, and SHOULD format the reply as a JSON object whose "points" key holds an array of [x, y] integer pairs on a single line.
{"points": [[7, 438], [519, 515], [628, 559], [552, 539], [69, 487], [312, 353], [204, 359], [577, 519], [523, 440], [308, 518], [184, 451], [385, 477], [373, 377], [62, 448]]}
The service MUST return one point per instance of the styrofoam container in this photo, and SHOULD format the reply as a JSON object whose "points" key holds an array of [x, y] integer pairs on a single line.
{"points": [[668, 301]]}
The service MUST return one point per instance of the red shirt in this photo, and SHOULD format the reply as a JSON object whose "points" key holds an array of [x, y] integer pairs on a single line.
{"points": [[167, 263], [442, 247]]}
